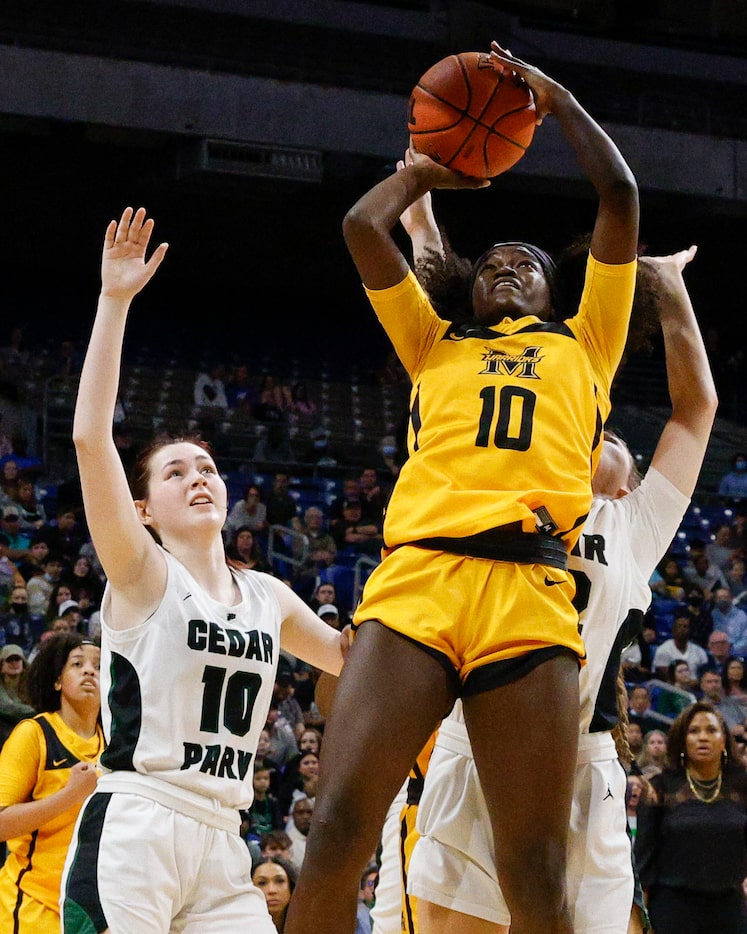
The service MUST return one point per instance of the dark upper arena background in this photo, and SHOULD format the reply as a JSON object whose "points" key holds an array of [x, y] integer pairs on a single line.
{"points": [[248, 127]]}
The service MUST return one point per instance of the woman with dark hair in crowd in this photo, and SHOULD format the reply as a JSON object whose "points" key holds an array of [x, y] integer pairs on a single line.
{"points": [[248, 513], [734, 680], [276, 878], [47, 770], [691, 844], [245, 549]]}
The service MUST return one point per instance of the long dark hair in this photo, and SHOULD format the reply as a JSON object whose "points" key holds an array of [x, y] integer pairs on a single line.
{"points": [[290, 871], [677, 735]]}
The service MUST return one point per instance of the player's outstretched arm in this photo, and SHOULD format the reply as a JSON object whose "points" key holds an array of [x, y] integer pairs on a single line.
{"points": [[368, 225], [682, 446], [615, 236], [121, 541], [420, 224]]}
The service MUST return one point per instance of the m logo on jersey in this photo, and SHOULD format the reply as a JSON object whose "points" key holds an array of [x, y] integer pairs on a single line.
{"points": [[522, 365]]}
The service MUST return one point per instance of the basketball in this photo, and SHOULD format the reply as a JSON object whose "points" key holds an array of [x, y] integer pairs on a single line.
{"points": [[469, 117]]}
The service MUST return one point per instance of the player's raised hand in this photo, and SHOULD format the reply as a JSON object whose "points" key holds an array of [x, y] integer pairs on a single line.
{"points": [[544, 89], [124, 270], [438, 176]]}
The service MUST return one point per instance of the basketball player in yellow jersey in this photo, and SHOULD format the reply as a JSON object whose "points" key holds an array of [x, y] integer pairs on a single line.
{"points": [[472, 598], [47, 770]]}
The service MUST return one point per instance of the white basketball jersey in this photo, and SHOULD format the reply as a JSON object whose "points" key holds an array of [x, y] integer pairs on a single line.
{"points": [[621, 543], [185, 694]]}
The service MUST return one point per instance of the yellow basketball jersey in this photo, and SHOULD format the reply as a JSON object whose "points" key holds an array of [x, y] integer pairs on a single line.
{"points": [[506, 421], [35, 763]]}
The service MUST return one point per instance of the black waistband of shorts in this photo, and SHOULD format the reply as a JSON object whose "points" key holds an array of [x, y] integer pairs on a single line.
{"points": [[503, 543], [415, 790]]}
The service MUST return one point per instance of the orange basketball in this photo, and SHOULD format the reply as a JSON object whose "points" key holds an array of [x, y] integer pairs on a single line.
{"points": [[471, 118]]}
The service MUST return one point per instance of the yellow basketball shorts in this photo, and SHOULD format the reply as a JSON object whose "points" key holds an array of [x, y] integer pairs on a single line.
{"points": [[473, 612]]}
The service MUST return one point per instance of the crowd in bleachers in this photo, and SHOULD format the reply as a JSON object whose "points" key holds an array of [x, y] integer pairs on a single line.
{"points": [[302, 509]]}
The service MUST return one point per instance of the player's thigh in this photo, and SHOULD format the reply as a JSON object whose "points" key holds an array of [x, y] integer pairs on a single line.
{"points": [[524, 737], [435, 919], [399, 692]]}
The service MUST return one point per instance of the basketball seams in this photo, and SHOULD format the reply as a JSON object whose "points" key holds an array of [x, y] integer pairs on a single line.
{"points": [[455, 117]]}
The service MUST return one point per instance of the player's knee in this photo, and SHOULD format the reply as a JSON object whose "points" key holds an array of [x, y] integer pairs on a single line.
{"points": [[538, 868]]}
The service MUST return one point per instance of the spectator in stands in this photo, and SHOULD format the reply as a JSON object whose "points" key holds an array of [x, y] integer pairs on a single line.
{"points": [[637, 659], [390, 456], [354, 534], [13, 707], [668, 580], [8, 481], [691, 845], [61, 593], [272, 402], [283, 744], [6, 442], [280, 505], [40, 586], [33, 563], [719, 650], [680, 646], [10, 576], [634, 738], [274, 446], [733, 485], [288, 707], [277, 843], [735, 576], [324, 594], [366, 897], [730, 619], [240, 392], [209, 390], [301, 408], [311, 741], [654, 753], [300, 780], [374, 495], [65, 361], [124, 441], [297, 827], [699, 611], [633, 795], [322, 550], [734, 681], [17, 625], [351, 489], [19, 541], [276, 878], [330, 614], [65, 535], [319, 451], [679, 676], [711, 690], [702, 572], [248, 513], [84, 582], [244, 547], [30, 511], [738, 530], [264, 813], [720, 550], [640, 710]]}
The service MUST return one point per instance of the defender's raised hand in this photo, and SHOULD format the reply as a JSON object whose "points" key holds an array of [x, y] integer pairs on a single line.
{"points": [[124, 270]]}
